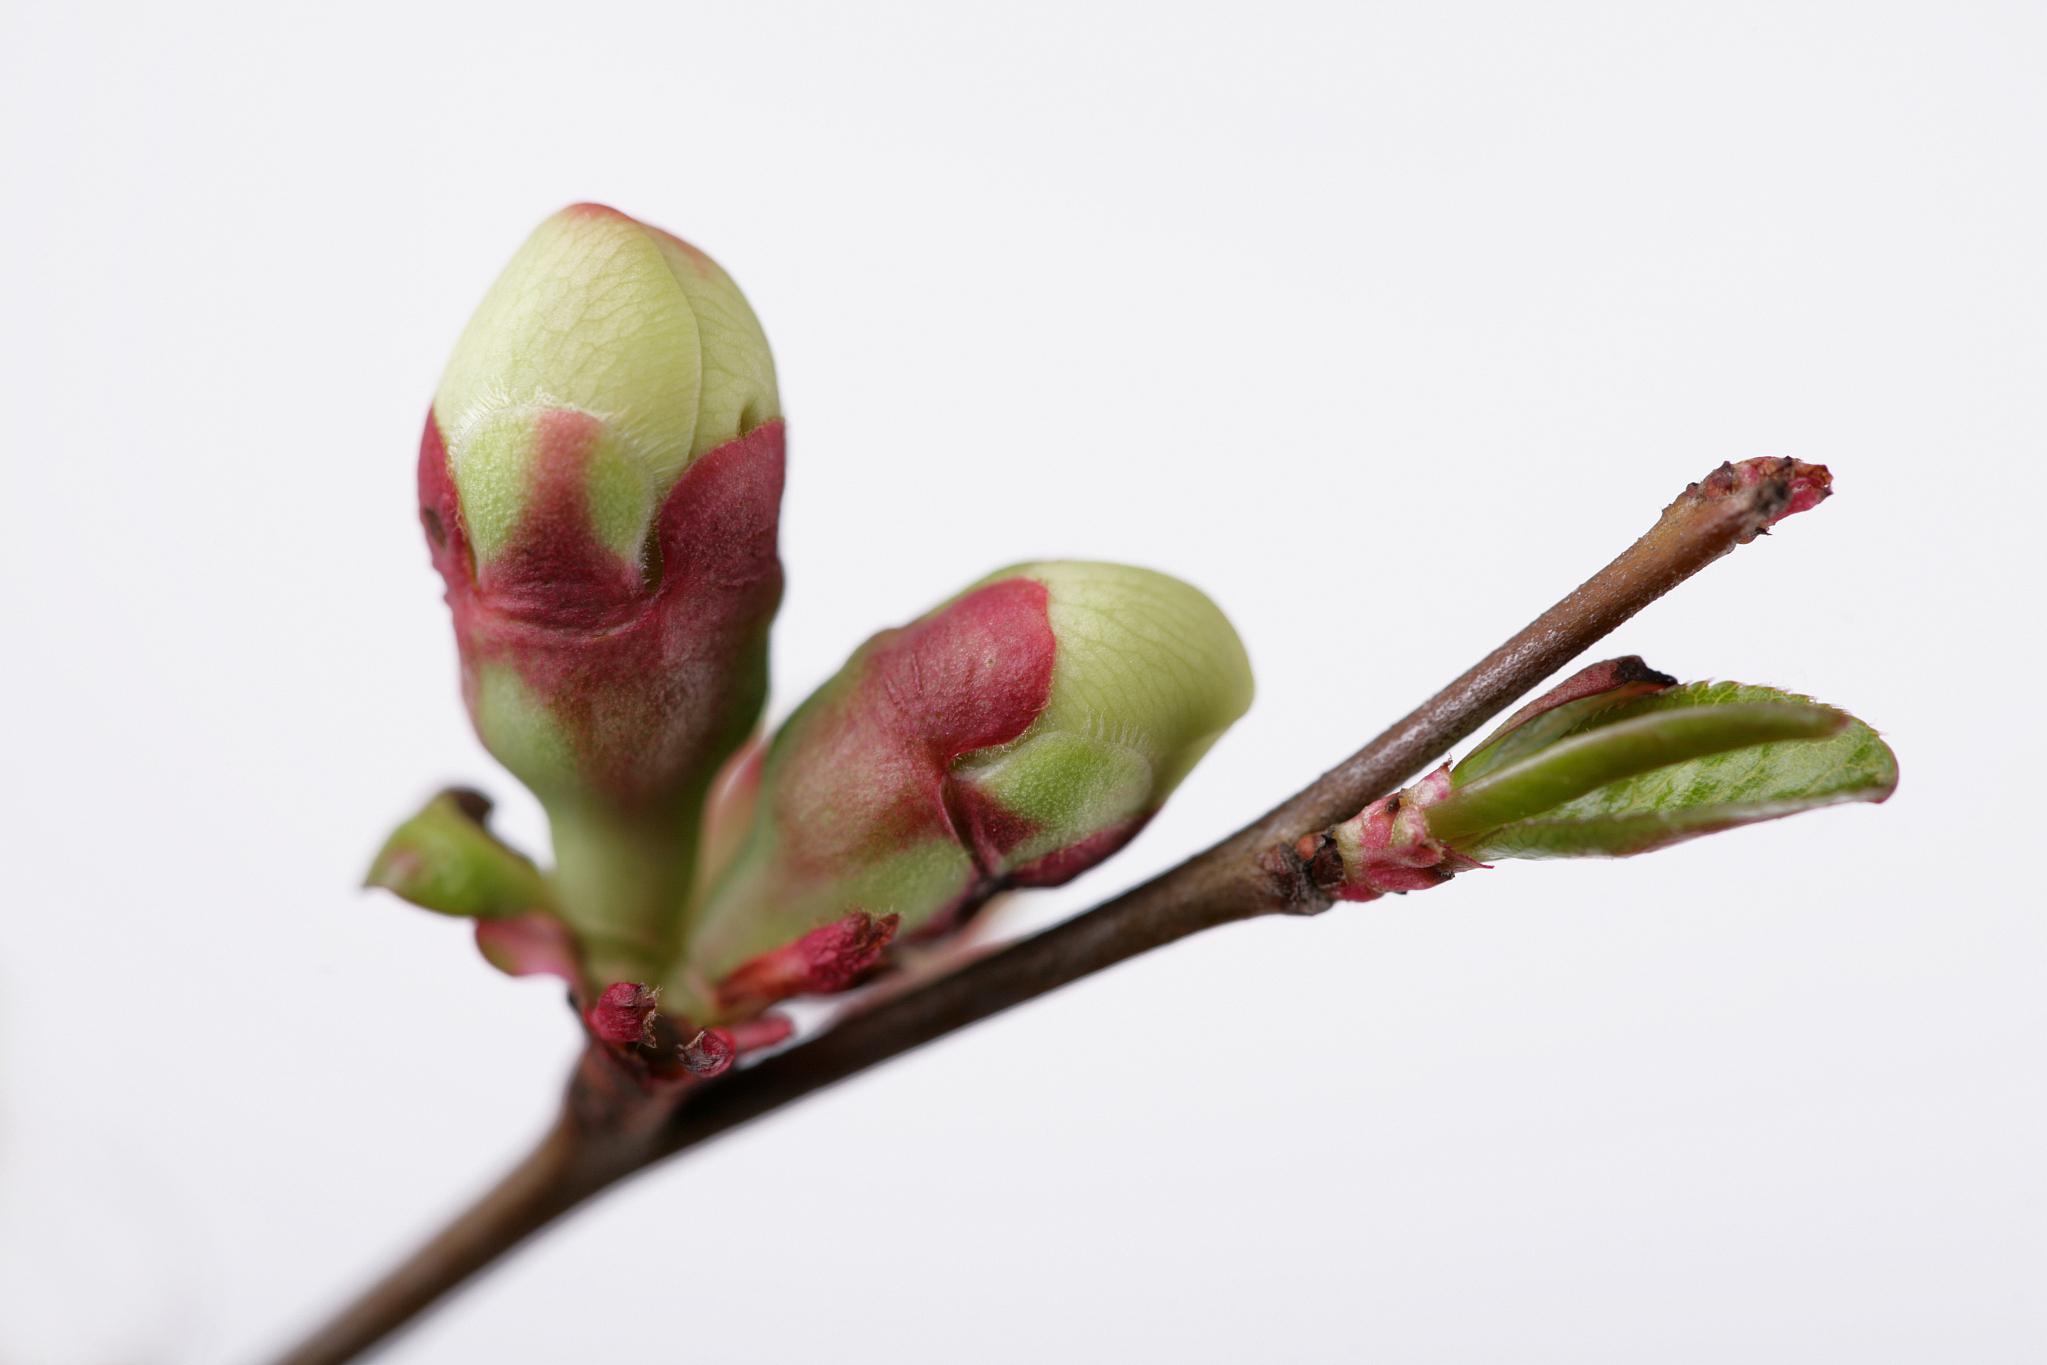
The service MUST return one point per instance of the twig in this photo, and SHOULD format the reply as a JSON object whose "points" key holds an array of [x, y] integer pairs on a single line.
{"points": [[606, 1133]]}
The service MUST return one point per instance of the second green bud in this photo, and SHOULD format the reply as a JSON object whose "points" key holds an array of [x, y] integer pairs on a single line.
{"points": [[1014, 736]]}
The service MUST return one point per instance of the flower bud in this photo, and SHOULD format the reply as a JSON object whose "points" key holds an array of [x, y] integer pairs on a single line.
{"points": [[600, 480], [1015, 736]]}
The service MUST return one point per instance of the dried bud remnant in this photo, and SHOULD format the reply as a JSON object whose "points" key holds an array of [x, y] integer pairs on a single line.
{"points": [[624, 1014], [710, 1053], [1780, 488]]}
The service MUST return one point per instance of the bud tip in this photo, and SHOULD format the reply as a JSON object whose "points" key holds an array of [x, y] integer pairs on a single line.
{"points": [[1784, 487]]}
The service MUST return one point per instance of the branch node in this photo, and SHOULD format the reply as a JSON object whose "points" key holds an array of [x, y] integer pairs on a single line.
{"points": [[1294, 888]]}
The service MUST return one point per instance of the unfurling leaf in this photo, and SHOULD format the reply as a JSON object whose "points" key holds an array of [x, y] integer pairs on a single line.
{"points": [[1615, 761], [1677, 764]]}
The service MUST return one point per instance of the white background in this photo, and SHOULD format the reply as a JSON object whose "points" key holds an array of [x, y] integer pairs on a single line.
{"points": [[1383, 323]]}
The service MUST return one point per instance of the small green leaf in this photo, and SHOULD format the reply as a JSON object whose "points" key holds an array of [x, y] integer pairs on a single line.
{"points": [[446, 860], [1612, 750], [1570, 706], [1513, 746], [1674, 765]]}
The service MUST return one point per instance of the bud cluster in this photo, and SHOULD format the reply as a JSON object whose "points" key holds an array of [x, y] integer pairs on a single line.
{"points": [[600, 481]]}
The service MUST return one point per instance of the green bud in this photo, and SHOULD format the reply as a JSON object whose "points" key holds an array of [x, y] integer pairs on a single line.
{"points": [[1014, 736], [1148, 674], [599, 314], [600, 482]]}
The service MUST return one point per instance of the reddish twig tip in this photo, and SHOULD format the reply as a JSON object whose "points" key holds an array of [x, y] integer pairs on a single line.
{"points": [[1786, 487]]}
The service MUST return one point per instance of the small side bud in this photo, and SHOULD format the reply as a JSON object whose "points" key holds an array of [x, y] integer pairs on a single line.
{"points": [[1387, 849]]}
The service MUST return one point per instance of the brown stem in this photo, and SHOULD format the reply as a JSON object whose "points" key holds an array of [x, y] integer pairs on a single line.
{"points": [[609, 1132], [606, 1131], [552, 1179]]}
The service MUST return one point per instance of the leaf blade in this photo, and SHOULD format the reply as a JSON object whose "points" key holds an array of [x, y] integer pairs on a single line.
{"points": [[1702, 795]]}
